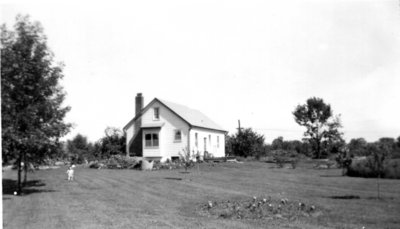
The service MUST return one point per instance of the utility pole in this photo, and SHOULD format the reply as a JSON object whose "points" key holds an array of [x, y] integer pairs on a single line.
{"points": [[239, 128]]}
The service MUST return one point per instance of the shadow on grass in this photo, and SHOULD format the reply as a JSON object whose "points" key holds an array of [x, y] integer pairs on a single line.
{"points": [[10, 186], [380, 198], [331, 176], [350, 197], [172, 178], [345, 197]]}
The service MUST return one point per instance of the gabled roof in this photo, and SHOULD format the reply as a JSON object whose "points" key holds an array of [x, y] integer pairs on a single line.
{"points": [[193, 117]]}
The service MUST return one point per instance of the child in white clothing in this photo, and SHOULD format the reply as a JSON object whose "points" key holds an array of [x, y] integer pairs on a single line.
{"points": [[70, 173]]}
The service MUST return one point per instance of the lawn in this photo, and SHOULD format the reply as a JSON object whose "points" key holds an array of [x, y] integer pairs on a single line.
{"points": [[171, 198]]}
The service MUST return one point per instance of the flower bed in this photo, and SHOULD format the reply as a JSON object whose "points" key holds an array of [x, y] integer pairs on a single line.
{"points": [[259, 208], [177, 164]]}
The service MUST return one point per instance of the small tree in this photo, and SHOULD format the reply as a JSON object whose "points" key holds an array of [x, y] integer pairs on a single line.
{"points": [[343, 159], [245, 143], [187, 157], [277, 143], [379, 152]]}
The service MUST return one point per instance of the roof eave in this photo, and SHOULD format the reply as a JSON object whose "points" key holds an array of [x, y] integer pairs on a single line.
{"points": [[207, 128], [154, 100]]}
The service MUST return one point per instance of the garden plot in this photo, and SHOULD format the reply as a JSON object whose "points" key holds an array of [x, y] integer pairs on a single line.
{"points": [[256, 208]]}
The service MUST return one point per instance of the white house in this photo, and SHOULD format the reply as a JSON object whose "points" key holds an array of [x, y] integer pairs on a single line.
{"points": [[163, 130]]}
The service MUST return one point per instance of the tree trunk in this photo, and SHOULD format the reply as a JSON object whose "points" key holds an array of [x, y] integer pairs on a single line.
{"points": [[25, 171], [19, 187], [378, 188], [318, 150]]}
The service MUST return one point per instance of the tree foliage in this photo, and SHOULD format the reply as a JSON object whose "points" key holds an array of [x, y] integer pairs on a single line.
{"points": [[245, 143], [113, 143], [32, 110], [295, 146], [79, 149], [322, 128], [358, 147]]}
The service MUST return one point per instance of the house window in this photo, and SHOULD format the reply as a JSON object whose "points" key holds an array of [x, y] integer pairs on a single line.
{"points": [[151, 140], [178, 135], [156, 113], [217, 141], [209, 139], [196, 139]]}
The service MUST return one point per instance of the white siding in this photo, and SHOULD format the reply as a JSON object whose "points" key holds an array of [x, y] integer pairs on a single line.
{"points": [[217, 150], [168, 146], [170, 122]]}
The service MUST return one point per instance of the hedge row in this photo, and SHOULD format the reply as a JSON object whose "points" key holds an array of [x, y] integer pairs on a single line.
{"points": [[366, 168]]}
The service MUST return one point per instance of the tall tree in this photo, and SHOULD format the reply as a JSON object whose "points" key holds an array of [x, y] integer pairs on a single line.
{"points": [[322, 128], [32, 112]]}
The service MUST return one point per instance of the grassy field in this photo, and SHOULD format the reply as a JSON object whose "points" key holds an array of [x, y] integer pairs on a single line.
{"points": [[169, 198]]}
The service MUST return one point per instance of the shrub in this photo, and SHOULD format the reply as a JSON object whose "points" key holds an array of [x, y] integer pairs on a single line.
{"points": [[113, 164], [116, 162], [361, 168], [176, 164], [392, 169], [282, 157], [280, 161], [95, 165], [366, 168], [244, 143], [294, 162]]}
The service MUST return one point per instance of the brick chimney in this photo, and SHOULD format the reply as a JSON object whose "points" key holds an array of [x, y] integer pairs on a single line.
{"points": [[138, 103]]}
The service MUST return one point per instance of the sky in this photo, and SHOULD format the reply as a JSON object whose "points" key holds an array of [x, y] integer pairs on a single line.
{"points": [[252, 61]]}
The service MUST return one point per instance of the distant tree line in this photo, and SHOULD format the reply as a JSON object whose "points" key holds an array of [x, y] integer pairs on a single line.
{"points": [[322, 138], [250, 143], [80, 150]]}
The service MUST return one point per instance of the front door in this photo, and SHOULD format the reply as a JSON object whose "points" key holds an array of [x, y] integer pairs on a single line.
{"points": [[205, 144]]}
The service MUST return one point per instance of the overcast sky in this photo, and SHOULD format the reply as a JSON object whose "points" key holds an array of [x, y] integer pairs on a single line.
{"points": [[248, 60]]}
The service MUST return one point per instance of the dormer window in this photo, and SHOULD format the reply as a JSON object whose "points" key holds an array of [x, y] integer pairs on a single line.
{"points": [[156, 113], [178, 136]]}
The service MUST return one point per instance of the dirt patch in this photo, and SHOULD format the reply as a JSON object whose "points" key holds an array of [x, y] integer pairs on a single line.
{"points": [[259, 208]]}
